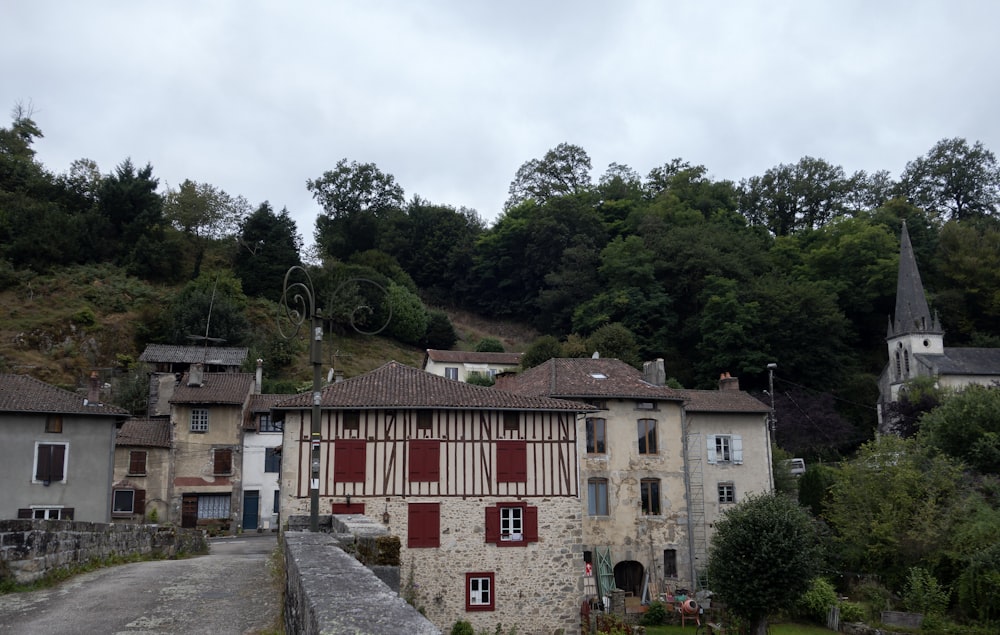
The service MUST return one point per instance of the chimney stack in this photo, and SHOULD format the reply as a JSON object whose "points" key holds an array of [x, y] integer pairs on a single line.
{"points": [[260, 376], [195, 375], [728, 382], [94, 389], [654, 373]]}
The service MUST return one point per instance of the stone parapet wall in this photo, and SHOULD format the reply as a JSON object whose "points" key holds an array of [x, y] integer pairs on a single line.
{"points": [[329, 591], [29, 549]]}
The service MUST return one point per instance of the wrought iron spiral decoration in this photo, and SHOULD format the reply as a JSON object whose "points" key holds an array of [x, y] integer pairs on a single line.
{"points": [[298, 298]]}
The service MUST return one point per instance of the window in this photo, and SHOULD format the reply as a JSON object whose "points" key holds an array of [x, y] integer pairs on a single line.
{"points": [[137, 463], [267, 424], [126, 502], [512, 524], [349, 461], [647, 436], [512, 462], [595, 435], [478, 591], [50, 463], [53, 423], [597, 497], [725, 448], [352, 420], [199, 420], [213, 506], [277, 502], [222, 461], [670, 563], [650, 491], [645, 405], [425, 461], [425, 420], [727, 493], [423, 528], [511, 422], [451, 372], [272, 460], [46, 513]]}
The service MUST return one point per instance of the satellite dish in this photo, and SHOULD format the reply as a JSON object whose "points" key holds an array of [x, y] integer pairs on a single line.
{"points": [[596, 355]]}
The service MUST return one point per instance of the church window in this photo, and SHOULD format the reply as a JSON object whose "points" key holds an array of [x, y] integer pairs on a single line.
{"points": [[906, 361]]}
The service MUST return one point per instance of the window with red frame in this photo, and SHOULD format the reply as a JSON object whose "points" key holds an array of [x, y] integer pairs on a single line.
{"points": [[425, 461], [512, 462], [349, 461], [479, 592], [513, 524], [423, 528]]}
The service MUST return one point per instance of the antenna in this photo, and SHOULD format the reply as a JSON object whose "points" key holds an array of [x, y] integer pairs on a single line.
{"points": [[208, 324]]}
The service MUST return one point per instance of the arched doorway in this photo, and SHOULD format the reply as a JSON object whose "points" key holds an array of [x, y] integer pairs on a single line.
{"points": [[629, 577]]}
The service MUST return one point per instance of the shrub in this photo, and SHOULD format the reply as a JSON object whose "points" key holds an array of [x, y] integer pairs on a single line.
{"points": [[923, 593], [852, 612], [655, 615], [461, 627], [815, 603], [489, 345]]}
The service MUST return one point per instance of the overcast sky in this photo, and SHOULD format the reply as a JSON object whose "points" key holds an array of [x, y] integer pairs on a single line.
{"points": [[451, 97]]}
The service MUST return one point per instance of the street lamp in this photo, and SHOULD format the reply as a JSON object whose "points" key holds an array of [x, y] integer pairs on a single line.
{"points": [[299, 300]]}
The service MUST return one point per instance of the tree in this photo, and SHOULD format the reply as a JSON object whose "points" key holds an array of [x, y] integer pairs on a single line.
{"points": [[358, 200], [540, 351], [128, 199], [202, 212], [268, 245], [763, 554], [409, 316], [563, 170], [440, 332], [789, 198], [489, 345], [615, 341], [954, 181], [966, 427], [213, 306]]}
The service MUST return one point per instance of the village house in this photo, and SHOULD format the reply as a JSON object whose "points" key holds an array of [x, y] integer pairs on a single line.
{"points": [[915, 342], [142, 479], [459, 365], [262, 439], [167, 362], [481, 485], [207, 413], [57, 451]]}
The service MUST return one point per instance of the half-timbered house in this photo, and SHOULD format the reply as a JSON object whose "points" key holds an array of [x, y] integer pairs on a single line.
{"points": [[481, 485]]}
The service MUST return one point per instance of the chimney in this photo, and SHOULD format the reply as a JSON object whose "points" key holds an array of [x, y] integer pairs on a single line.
{"points": [[94, 389], [728, 382], [195, 375], [260, 376], [653, 372], [338, 376]]}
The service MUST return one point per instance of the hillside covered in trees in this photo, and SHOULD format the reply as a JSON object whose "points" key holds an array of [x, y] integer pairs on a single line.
{"points": [[796, 266]]}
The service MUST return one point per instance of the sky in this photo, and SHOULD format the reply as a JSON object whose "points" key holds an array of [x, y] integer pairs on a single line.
{"points": [[452, 97]]}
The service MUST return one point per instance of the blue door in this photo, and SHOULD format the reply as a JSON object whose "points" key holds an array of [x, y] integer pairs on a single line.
{"points": [[251, 510]]}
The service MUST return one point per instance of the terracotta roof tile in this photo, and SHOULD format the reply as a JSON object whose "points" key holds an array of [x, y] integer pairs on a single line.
{"points": [[260, 404], [21, 393], [722, 401], [396, 385], [148, 431], [472, 357], [587, 378], [220, 355], [218, 388]]}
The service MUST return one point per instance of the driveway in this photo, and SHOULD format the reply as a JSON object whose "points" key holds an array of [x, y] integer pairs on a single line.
{"points": [[229, 591]]}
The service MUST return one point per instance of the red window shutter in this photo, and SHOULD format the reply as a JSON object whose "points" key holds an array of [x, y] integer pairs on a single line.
{"points": [[423, 525], [530, 524], [349, 461], [512, 461], [493, 524], [425, 460], [223, 460], [139, 502], [137, 462], [344, 508]]}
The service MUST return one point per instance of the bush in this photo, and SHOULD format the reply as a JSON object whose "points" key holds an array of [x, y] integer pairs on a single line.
{"points": [[461, 627], [852, 612], [655, 615], [440, 331], [923, 593], [815, 603], [489, 345]]}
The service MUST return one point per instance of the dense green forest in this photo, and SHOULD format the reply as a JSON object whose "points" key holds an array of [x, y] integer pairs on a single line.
{"points": [[796, 266]]}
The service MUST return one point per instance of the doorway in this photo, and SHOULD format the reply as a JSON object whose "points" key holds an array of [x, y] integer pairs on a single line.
{"points": [[251, 510]]}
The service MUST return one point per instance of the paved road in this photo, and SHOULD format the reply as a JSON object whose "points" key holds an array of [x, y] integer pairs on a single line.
{"points": [[228, 592]]}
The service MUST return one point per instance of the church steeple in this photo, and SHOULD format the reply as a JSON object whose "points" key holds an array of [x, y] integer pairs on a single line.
{"points": [[912, 313]]}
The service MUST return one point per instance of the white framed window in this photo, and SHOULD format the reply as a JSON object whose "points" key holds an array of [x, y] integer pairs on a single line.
{"points": [[50, 513], [479, 592], [512, 523], [725, 448], [451, 372], [727, 493], [199, 420], [123, 501], [51, 463]]}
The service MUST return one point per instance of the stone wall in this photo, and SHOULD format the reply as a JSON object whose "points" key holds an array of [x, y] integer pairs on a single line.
{"points": [[329, 591], [31, 548]]}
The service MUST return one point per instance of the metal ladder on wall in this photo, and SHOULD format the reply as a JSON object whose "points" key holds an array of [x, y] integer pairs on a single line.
{"points": [[696, 508]]}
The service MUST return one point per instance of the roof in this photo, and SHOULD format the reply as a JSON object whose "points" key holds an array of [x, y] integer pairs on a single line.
{"points": [[964, 361], [218, 355], [395, 385], [21, 393], [151, 432], [912, 313], [722, 401], [473, 357], [260, 404], [216, 388], [587, 378]]}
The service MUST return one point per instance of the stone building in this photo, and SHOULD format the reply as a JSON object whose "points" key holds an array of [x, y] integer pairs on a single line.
{"points": [[481, 485], [141, 490]]}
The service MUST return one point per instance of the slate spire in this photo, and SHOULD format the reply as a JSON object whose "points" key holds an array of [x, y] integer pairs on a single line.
{"points": [[912, 313]]}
